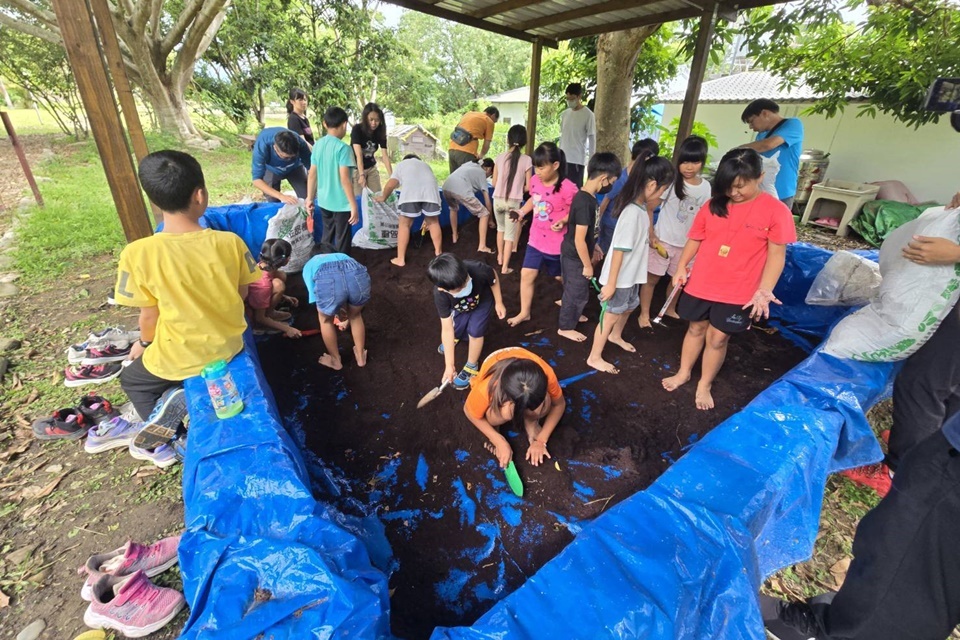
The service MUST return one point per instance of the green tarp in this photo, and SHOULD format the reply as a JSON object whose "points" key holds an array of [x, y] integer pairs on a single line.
{"points": [[880, 217]]}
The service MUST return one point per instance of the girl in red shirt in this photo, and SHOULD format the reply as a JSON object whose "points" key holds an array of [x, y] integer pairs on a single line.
{"points": [[739, 239]]}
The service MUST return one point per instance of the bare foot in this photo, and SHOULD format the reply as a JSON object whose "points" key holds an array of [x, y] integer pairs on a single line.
{"points": [[398, 262], [559, 303], [582, 319], [623, 344], [361, 357], [279, 316], [517, 319], [602, 365], [506, 271], [558, 278], [672, 314], [328, 360], [456, 237], [704, 398], [644, 322], [484, 250], [499, 258], [675, 381], [570, 334]]}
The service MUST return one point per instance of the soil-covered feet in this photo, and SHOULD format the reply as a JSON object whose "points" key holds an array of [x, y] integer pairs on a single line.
{"points": [[704, 398], [602, 365], [644, 322], [329, 361], [517, 319], [279, 316], [506, 271], [675, 381], [398, 262], [484, 250], [571, 334], [623, 344], [673, 314], [361, 357]]}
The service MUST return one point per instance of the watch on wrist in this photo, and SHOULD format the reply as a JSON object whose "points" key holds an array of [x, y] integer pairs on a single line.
{"points": [[144, 343]]}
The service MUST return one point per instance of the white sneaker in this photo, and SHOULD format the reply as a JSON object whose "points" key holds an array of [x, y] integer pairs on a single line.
{"points": [[116, 336]]}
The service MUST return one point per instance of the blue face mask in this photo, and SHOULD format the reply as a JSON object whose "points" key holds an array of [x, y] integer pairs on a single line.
{"points": [[465, 291]]}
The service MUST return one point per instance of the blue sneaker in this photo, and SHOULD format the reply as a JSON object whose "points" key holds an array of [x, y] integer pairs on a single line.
{"points": [[163, 456], [110, 434], [456, 341], [179, 445], [468, 373], [162, 425]]}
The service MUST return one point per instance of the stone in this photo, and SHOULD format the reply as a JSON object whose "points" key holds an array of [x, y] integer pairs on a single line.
{"points": [[8, 290], [9, 277], [9, 344], [211, 145], [6, 261], [53, 468], [33, 630]]}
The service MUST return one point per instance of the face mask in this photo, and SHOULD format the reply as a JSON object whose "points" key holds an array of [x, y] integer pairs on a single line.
{"points": [[572, 104], [467, 290], [606, 189]]}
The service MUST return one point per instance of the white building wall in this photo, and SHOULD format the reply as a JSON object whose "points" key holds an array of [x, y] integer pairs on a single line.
{"points": [[516, 111], [864, 149]]}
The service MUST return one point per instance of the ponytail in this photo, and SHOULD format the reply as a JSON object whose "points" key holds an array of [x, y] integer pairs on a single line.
{"points": [[516, 140], [743, 164], [656, 169], [295, 94]]}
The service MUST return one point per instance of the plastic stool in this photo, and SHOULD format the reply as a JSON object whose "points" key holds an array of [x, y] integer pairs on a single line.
{"points": [[838, 199]]}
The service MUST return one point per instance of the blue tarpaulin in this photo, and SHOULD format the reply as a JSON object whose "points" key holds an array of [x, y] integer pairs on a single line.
{"points": [[682, 559]]}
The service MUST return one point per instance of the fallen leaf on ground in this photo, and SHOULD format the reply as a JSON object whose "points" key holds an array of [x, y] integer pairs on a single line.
{"points": [[4, 600], [15, 449], [839, 571], [36, 492]]}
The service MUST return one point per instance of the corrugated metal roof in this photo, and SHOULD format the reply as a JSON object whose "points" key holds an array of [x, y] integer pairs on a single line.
{"points": [[403, 131], [747, 86]]}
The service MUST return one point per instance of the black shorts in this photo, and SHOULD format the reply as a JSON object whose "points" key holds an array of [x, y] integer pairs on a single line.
{"points": [[728, 318]]}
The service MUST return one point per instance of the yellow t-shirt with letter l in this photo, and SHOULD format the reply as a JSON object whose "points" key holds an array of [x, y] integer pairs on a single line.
{"points": [[192, 278]]}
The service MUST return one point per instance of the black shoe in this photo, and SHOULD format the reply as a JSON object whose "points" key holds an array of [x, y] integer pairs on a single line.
{"points": [[167, 417], [788, 620]]}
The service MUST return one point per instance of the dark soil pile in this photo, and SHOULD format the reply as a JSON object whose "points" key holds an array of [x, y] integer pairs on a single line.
{"points": [[461, 538]]}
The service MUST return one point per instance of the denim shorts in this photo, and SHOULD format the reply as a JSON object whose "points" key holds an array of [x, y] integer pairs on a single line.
{"points": [[338, 283], [624, 300]]}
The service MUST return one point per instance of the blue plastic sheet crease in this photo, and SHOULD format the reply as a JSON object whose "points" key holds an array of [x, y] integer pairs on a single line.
{"points": [[682, 559]]}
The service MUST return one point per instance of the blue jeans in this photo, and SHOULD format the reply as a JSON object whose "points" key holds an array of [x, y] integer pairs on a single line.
{"points": [[338, 283]]}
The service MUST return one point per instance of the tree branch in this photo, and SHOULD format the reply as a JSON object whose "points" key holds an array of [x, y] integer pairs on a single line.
{"points": [[187, 16], [48, 18], [51, 35], [199, 37]]}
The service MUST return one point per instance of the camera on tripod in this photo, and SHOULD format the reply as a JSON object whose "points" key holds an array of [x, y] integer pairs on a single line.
{"points": [[944, 97]]}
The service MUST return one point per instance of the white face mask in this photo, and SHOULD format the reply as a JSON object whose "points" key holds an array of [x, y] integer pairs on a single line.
{"points": [[465, 291], [572, 104]]}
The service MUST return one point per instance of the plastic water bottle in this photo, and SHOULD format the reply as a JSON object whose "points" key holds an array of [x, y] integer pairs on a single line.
{"points": [[222, 389]]}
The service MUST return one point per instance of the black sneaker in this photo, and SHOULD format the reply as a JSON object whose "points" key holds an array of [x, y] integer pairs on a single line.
{"points": [[96, 409], [788, 620], [65, 424], [162, 425]]}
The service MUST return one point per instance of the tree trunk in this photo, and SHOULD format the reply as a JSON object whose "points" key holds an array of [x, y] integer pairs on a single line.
{"points": [[616, 60]]}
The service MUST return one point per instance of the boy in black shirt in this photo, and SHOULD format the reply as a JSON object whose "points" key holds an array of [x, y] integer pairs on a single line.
{"points": [[465, 292], [577, 247]]}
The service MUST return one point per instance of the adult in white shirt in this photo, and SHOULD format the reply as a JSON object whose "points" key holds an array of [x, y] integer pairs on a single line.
{"points": [[578, 133]]}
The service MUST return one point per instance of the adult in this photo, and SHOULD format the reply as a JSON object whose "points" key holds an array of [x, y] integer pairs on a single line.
{"points": [[776, 136], [366, 137], [578, 133], [297, 120], [464, 141], [280, 154]]}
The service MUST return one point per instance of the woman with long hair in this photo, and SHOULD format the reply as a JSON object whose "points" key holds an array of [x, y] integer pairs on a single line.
{"points": [[366, 137], [297, 116]]}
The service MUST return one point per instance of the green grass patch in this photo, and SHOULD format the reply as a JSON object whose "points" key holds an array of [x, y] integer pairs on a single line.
{"points": [[27, 122]]}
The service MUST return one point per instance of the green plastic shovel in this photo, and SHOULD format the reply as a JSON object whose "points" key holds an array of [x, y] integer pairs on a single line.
{"points": [[603, 304], [513, 479]]}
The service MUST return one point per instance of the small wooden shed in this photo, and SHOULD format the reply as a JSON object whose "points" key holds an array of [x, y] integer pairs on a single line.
{"points": [[412, 138]]}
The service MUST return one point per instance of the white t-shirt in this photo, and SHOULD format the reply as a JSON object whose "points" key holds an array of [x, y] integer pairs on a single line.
{"points": [[676, 216], [629, 236], [468, 179], [575, 128], [417, 182]]}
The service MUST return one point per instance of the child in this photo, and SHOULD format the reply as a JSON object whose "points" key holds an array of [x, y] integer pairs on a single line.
{"points": [[189, 283], [511, 178], [419, 195], [517, 387], [688, 194], [465, 292], [576, 250], [625, 266], [460, 187], [265, 294], [739, 239], [642, 150], [550, 197], [335, 280], [330, 181]]}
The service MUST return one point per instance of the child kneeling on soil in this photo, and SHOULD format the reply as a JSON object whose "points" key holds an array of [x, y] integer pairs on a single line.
{"points": [[625, 265], [419, 195], [460, 188], [265, 294], [335, 280], [739, 239], [517, 387], [465, 292]]}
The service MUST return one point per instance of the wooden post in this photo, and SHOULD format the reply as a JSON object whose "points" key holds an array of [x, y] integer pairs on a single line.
{"points": [[698, 68], [21, 156], [80, 40], [533, 104]]}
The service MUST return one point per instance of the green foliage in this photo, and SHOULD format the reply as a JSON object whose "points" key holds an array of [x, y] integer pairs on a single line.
{"points": [[668, 136], [42, 69], [891, 58]]}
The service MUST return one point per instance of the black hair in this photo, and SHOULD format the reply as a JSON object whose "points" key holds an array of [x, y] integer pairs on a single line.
{"points": [[656, 169], [693, 149], [170, 179], [287, 142], [648, 147], [516, 141], [411, 155], [520, 381], [744, 164], [275, 252], [493, 112], [295, 94], [755, 107], [447, 271], [574, 89], [333, 117], [641, 153], [487, 163], [604, 163], [371, 107], [548, 153]]}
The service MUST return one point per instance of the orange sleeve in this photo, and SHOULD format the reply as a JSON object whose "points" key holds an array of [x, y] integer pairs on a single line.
{"points": [[478, 401], [553, 385]]}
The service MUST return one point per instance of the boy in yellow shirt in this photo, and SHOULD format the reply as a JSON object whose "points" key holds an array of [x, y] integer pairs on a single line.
{"points": [[189, 283]]}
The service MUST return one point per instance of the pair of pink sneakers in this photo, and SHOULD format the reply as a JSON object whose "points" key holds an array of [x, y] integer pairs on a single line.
{"points": [[120, 593]]}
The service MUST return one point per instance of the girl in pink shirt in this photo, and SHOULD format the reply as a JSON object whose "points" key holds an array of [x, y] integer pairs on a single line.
{"points": [[549, 203]]}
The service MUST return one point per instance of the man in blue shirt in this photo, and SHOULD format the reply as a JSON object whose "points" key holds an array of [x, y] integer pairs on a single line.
{"points": [[776, 136], [280, 154]]}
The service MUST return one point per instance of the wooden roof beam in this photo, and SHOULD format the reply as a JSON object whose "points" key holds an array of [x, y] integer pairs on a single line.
{"points": [[470, 21], [587, 11], [642, 21], [504, 7]]}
